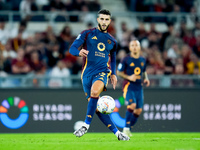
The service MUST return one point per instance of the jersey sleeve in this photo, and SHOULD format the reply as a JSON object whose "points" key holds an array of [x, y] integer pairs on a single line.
{"points": [[79, 41], [113, 59], [122, 65]]}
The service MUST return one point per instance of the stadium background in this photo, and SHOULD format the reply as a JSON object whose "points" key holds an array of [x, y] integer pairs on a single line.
{"points": [[36, 35]]}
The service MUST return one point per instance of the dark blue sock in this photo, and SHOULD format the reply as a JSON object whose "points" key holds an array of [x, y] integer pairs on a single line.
{"points": [[107, 121], [91, 108], [129, 114], [134, 119]]}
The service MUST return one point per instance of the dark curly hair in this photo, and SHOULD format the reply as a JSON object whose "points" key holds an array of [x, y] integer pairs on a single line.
{"points": [[104, 11]]}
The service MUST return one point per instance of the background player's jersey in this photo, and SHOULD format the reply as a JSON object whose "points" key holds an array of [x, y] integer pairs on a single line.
{"points": [[129, 66], [101, 47]]}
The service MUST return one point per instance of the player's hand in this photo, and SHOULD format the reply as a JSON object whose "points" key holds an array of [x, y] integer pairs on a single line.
{"points": [[146, 82], [133, 77], [83, 53], [113, 79]]}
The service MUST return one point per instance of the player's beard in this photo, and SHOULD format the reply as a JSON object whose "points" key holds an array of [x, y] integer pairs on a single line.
{"points": [[101, 28], [136, 54]]}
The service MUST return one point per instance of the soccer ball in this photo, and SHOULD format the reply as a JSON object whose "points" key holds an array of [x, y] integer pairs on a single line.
{"points": [[106, 104]]}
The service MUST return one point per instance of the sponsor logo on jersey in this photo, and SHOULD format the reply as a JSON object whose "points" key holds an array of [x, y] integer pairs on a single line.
{"points": [[101, 46]]}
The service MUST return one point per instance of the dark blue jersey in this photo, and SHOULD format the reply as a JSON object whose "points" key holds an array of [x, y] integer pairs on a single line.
{"points": [[102, 49], [130, 65]]}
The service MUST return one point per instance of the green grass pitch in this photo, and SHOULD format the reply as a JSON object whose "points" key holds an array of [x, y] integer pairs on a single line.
{"points": [[100, 141]]}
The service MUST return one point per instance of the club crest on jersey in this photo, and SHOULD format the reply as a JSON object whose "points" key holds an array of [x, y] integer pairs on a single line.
{"points": [[142, 64], [101, 46], [109, 41]]}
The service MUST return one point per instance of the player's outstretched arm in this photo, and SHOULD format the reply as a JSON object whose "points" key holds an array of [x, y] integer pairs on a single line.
{"points": [[146, 79], [113, 79]]}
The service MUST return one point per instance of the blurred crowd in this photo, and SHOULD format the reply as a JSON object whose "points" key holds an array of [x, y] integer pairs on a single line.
{"points": [[43, 53], [173, 52], [176, 51], [49, 5], [160, 5], [27, 7]]}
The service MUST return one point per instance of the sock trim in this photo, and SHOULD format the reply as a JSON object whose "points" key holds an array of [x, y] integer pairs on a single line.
{"points": [[136, 115], [95, 97], [130, 110], [126, 128]]}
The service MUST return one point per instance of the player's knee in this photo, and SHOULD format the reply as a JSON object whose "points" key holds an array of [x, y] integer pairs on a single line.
{"points": [[131, 106], [97, 111], [138, 111], [94, 93]]}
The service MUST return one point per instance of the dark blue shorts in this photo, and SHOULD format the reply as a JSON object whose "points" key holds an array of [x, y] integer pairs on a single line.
{"points": [[88, 81], [134, 96]]}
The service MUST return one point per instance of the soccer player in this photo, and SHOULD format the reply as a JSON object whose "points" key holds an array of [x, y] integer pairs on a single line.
{"points": [[133, 70], [97, 47]]}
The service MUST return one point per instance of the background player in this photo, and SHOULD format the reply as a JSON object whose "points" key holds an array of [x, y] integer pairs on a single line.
{"points": [[133, 70], [97, 47]]}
